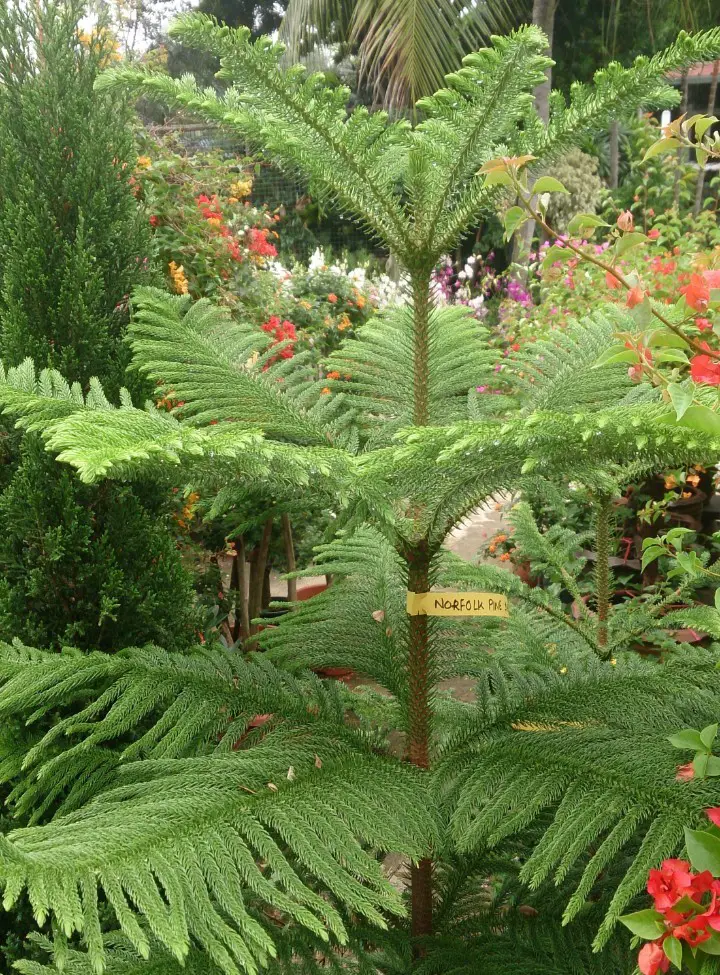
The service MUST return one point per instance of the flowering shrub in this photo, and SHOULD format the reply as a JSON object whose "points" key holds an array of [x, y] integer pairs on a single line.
{"points": [[328, 301], [208, 238], [685, 917], [660, 191]]}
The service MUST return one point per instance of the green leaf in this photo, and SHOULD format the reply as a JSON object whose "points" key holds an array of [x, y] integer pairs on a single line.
{"points": [[663, 337], [703, 124], [548, 184], [616, 353], [703, 850], [676, 535], [687, 738], [555, 253], [712, 945], [663, 145], [700, 764], [673, 950], [625, 243], [672, 355], [702, 418], [585, 221], [651, 553], [514, 218], [708, 735], [681, 398], [689, 563], [713, 766], [498, 177], [645, 924], [717, 600]]}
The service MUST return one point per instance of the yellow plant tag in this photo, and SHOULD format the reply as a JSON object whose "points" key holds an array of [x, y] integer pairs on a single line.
{"points": [[457, 604]]}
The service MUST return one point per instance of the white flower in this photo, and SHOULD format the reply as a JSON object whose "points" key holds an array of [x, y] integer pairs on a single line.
{"points": [[317, 261], [358, 276]]}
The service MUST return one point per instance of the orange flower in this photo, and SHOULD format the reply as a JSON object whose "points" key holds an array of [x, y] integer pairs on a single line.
{"points": [[697, 293], [334, 374], [505, 557], [325, 391], [179, 280], [332, 298]]}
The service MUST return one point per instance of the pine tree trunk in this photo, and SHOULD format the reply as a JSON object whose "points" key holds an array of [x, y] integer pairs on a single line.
{"points": [[257, 575], [712, 95], [614, 155], [289, 556], [242, 616], [602, 568], [543, 16], [418, 564]]}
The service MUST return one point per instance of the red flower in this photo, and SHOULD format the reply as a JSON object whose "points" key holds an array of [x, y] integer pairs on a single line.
{"points": [[704, 369], [154, 220], [652, 959], [704, 324], [611, 281], [258, 243], [697, 293], [713, 815], [653, 234], [668, 884], [636, 296]]}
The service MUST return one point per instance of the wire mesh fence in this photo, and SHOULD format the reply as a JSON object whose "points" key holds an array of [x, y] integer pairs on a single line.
{"points": [[307, 223]]}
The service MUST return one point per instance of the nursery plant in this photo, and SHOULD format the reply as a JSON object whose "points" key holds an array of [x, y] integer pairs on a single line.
{"points": [[231, 811], [80, 566]]}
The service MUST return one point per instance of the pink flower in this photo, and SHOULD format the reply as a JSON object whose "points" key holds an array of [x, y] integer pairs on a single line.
{"points": [[653, 234], [685, 772]]}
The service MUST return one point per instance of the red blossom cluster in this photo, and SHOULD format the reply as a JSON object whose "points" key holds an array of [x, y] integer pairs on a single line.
{"points": [[688, 903], [210, 209], [282, 332], [259, 244]]}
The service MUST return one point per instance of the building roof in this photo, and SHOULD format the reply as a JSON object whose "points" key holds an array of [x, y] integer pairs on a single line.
{"points": [[699, 74]]}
